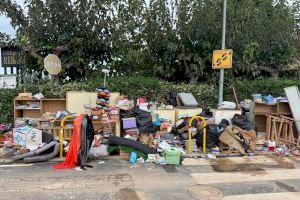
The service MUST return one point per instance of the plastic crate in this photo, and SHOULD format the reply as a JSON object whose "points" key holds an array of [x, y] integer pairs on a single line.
{"points": [[172, 156]]}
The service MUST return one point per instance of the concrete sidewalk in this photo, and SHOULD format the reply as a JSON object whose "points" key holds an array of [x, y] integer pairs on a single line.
{"points": [[247, 178]]}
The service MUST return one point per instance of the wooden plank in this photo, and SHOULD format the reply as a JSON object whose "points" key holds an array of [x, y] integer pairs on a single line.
{"points": [[280, 129], [268, 127], [76, 100], [53, 105]]}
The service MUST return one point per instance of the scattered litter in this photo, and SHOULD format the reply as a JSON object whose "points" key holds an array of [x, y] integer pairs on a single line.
{"points": [[164, 145], [211, 156]]}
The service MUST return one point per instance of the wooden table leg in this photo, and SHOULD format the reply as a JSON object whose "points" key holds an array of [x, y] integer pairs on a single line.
{"points": [[268, 127]]}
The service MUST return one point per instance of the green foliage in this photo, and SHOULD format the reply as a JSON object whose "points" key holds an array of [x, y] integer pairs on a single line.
{"points": [[4, 38], [152, 88], [170, 39], [6, 104], [245, 88]]}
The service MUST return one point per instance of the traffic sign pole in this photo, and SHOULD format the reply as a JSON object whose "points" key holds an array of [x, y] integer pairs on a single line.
{"points": [[221, 83]]}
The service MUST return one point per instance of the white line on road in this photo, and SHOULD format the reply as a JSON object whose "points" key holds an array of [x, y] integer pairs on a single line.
{"points": [[16, 165]]}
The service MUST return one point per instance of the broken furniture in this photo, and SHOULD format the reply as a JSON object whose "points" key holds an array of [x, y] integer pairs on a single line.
{"points": [[281, 129], [261, 110], [23, 108]]}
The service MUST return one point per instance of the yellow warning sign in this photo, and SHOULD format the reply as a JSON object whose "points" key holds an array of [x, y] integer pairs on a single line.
{"points": [[222, 59]]}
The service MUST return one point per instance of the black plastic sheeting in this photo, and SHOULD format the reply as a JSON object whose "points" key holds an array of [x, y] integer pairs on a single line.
{"points": [[113, 140], [242, 122], [143, 119], [171, 98], [213, 133]]}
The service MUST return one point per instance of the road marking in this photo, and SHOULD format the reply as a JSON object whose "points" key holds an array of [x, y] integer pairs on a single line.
{"points": [[266, 196], [16, 165], [234, 177]]}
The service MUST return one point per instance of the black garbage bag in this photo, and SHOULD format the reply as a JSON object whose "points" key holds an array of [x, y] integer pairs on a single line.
{"points": [[224, 123], [144, 121], [171, 98], [242, 122], [206, 114], [127, 113], [47, 138], [213, 133]]}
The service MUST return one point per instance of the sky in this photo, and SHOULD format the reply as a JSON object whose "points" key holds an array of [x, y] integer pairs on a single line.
{"points": [[5, 22], [7, 28]]}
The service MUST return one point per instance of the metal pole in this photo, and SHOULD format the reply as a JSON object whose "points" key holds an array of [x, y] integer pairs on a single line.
{"points": [[221, 84]]}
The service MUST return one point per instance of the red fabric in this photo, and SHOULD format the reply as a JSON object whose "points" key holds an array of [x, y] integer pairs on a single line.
{"points": [[72, 155]]}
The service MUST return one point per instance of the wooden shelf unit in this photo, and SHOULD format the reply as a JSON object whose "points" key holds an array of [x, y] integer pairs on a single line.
{"points": [[53, 105], [46, 105], [263, 109]]}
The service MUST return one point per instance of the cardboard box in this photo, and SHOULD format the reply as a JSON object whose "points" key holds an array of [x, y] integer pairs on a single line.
{"points": [[27, 137], [124, 155]]}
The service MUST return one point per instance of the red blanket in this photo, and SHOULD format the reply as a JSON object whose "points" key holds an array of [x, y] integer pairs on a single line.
{"points": [[72, 155]]}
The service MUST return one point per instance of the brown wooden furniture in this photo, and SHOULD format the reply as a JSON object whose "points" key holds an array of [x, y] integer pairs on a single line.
{"points": [[282, 130], [46, 105], [52, 106], [261, 111], [54, 127]]}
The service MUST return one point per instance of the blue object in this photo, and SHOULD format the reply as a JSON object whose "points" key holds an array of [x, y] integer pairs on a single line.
{"points": [[268, 99], [133, 157], [157, 120]]}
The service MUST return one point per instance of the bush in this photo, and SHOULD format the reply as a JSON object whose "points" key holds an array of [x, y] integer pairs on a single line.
{"points": [[153, 89], [245, 89]]}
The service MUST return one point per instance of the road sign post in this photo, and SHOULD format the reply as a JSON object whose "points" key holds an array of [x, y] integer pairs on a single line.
{"points": [[221, 83]]}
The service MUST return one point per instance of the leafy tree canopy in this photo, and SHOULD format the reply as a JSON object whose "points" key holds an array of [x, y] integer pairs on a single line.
{"points": [[171, 39]]}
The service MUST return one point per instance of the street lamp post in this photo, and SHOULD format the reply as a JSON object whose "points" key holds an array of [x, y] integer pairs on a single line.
{"points": [[221, 83]]}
